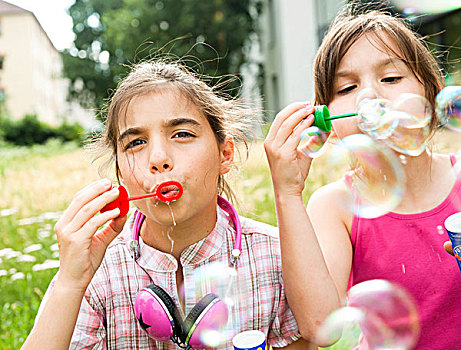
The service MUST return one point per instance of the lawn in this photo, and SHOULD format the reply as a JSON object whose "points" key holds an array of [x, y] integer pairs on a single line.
{"points": [[37, 184]]}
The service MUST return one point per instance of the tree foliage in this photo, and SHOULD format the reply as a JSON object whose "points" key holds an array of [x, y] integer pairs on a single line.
{"points": [[111, 35]]}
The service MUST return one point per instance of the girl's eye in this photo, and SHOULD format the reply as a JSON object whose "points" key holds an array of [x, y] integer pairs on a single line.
{"points": [[346, 89], [183, 134], [134, 143], [391, 79]]}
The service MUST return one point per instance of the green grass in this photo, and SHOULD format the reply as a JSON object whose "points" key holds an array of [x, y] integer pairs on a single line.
{"points": [[22, 227]]}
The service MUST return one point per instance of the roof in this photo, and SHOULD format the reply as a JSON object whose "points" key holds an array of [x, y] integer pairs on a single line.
{"points": [[6, 7]]}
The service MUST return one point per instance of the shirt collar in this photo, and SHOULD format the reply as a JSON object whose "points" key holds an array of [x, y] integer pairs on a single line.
{"points": [[155, 260]]}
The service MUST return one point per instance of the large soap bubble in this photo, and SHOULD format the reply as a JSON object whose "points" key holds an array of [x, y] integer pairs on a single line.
{"points": [[385, 312], [402, 124], [448, 107], [412, 115], [378, 179]]}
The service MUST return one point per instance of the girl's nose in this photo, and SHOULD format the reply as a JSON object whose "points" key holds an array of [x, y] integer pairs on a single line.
{"points": [[159, 160], [160, 167]]}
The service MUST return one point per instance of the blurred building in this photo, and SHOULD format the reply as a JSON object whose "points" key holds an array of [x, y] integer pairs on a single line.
{"points": [[31, 80], [291, 31], [290, 35]]}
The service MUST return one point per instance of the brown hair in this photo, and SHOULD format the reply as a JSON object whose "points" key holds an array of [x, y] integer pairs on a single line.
{"points": [[349, 26], [227, 116]]}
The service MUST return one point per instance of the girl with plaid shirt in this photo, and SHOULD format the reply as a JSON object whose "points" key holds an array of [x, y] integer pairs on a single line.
{"points": [[162, 124]]}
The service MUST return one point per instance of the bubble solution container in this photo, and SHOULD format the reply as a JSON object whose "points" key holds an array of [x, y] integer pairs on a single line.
{"points": [[453, 227], [250, 340]]}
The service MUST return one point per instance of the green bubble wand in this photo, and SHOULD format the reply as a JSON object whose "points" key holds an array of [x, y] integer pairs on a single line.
{"points": [[322, 118]]}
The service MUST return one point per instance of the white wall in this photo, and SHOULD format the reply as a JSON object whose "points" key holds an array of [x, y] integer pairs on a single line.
{"points": [[291, 31]]}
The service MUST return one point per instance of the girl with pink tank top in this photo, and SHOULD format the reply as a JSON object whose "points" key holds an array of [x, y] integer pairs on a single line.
{"points": [[329, 247], [407, 249]]}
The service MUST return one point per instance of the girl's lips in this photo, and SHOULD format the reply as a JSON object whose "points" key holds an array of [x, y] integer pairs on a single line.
{"points": [[167, 191]]}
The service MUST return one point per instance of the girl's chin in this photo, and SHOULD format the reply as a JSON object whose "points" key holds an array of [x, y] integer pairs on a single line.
{"points": [[163, 213]]}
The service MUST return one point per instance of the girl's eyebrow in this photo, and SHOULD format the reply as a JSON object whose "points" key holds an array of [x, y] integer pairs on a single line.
{"points": [[180, 121], [380, 64], [128, 132], [389, 62], [168, 124]]}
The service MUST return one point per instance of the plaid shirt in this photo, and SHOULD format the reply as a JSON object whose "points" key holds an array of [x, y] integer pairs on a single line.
{"points": [[107, 319]]}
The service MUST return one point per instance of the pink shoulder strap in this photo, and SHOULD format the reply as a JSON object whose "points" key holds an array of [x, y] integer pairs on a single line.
{"points": [[452, 158], [348, 179], [138, 219]]}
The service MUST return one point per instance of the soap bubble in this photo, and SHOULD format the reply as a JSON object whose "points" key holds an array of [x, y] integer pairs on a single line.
{"points": [[222, 280], [364, 95], [312, 141], [404, 124], [412, 115], [374, 118], [372, 112], [448, 107], [386, 313], [343, 324], [378, 180]]}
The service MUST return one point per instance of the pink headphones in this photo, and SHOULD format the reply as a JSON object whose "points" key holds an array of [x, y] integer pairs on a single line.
{"points": [[157, 313]]}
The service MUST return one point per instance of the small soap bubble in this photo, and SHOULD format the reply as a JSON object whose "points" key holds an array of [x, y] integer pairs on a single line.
{"points": [[312, 141], [222, 280], [342, 324], [403, 159], [386, 313], [448, 107], [213, 338], [378, 178], [440, 230]]}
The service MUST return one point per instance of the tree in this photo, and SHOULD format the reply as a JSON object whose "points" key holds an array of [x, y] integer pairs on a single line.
{"points": [[110, 35]]}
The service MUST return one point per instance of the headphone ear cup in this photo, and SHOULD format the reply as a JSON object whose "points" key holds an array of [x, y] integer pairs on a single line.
{"points": [[209, 314], [157, 313]]}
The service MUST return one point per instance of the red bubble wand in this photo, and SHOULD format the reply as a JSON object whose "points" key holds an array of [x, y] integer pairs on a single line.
{"points": [[122, 202]]}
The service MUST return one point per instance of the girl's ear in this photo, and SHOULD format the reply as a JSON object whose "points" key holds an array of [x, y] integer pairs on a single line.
{"points": [[226, 150]]}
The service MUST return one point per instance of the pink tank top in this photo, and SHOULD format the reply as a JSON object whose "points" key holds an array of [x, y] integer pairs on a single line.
{"points": [[407, 249]]}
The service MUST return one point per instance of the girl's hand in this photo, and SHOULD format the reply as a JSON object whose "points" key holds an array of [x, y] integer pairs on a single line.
{"points": [[289, 166], [81, 245]]}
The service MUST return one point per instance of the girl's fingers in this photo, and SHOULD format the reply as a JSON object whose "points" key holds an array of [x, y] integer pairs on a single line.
{"points": [[290, 124], [287, 111], [284, 114], [112, 230], [294, 139], [91, 226], [82, 197], [305, 163], [90, 209], [287, 148]]}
